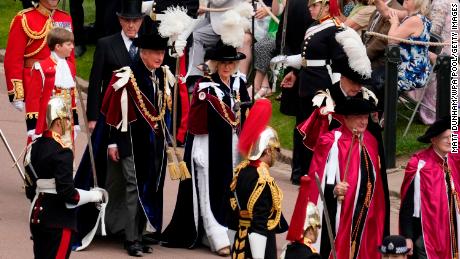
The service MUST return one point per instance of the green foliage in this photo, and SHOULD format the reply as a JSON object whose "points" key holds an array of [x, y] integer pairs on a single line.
{"points": [[9, 9], [85, 62], [283, 124]]}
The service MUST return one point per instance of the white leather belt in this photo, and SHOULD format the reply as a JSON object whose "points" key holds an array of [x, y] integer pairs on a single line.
{"points": [[46, 186], [314, 62]]}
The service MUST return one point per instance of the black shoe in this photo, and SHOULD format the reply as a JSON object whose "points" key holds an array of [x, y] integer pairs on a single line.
{"points": [[79, 50], [147, 249], [134, 248], [151, 239]]}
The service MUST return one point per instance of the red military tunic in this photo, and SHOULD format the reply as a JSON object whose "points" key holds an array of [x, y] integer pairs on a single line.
{"points": [[27, 44], [42, 82]]}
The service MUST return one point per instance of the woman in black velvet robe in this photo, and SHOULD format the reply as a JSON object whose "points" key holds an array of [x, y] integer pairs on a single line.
{"points": [[215, 119]]}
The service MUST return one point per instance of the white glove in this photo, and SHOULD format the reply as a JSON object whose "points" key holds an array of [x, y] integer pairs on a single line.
{"points": [[18, 105], [257, 242], [86, 197], [179, 46], [294, 61]]}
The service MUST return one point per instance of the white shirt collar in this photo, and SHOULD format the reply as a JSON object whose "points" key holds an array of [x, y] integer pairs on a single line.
{"points": [[126, 40], [341, 89]]}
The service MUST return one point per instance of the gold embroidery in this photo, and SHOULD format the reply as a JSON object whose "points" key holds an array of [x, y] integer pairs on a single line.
{"points": [[36, 35], [32, 115], [18, 89]]}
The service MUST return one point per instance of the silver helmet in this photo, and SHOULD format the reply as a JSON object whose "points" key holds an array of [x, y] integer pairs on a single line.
{"points": [[267, 139], [57, 109], [313, 219]]}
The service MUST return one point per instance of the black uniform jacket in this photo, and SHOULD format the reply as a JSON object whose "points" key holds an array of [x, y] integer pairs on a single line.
{"points": [[50, 159], [111, 54], [247, 180]]}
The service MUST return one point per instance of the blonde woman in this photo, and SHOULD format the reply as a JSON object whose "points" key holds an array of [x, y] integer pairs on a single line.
{"points": [[412, 24], [215, 119]]}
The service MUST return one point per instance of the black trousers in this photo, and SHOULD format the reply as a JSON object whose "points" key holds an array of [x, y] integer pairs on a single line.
{"points": [[301, 155], [78, 19], [51, 243]]}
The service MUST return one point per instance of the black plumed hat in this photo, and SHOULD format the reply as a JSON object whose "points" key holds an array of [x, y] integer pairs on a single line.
{"points": [[356, 106], [222, 52], [151, 39], [435, 129]]}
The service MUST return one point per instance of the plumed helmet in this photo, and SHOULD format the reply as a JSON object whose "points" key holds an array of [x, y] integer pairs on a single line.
{"points": [[56, 109], [333, 5], [267, 139], [313, 219], [256, 136]]}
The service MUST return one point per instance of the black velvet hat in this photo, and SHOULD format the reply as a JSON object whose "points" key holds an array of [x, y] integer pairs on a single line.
{"points": [[435, 129], [151, 39], [350, 57], [131, 9], [356, 106], [340, 64], [222, 52], [394, 245]]}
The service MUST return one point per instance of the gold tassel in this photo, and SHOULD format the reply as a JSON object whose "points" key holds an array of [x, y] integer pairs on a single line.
{"points": [[172, 167], [184, 173], [352, 250]]}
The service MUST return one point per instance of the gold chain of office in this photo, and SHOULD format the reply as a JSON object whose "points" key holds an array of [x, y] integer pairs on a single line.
{"points": [[139, 97]]}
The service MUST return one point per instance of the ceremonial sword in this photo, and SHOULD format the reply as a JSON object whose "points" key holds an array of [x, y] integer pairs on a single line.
{"points": [[88, 136], [326, 214], [21, 173]]}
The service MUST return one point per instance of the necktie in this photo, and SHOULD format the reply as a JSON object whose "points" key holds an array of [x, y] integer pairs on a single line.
{"points": [[132, 51]]}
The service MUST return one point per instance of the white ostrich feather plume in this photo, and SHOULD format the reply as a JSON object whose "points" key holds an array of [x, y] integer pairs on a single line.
{"points": [[356, 51], [233, 27], [175, 20], [244, 9]]}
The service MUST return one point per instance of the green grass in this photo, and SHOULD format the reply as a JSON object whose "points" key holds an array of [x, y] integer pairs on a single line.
{"points": [[85, 62], [9, 9], [283, 124]]}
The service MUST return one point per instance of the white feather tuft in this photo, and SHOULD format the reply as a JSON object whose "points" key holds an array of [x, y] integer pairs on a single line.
{"points": [[233, 26], [356, 51], [244, 9], [174, 21]]}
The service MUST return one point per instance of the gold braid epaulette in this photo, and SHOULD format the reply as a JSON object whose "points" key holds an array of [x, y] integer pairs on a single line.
{"points": [[35, 35], [277, 195], [236, 172]]}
